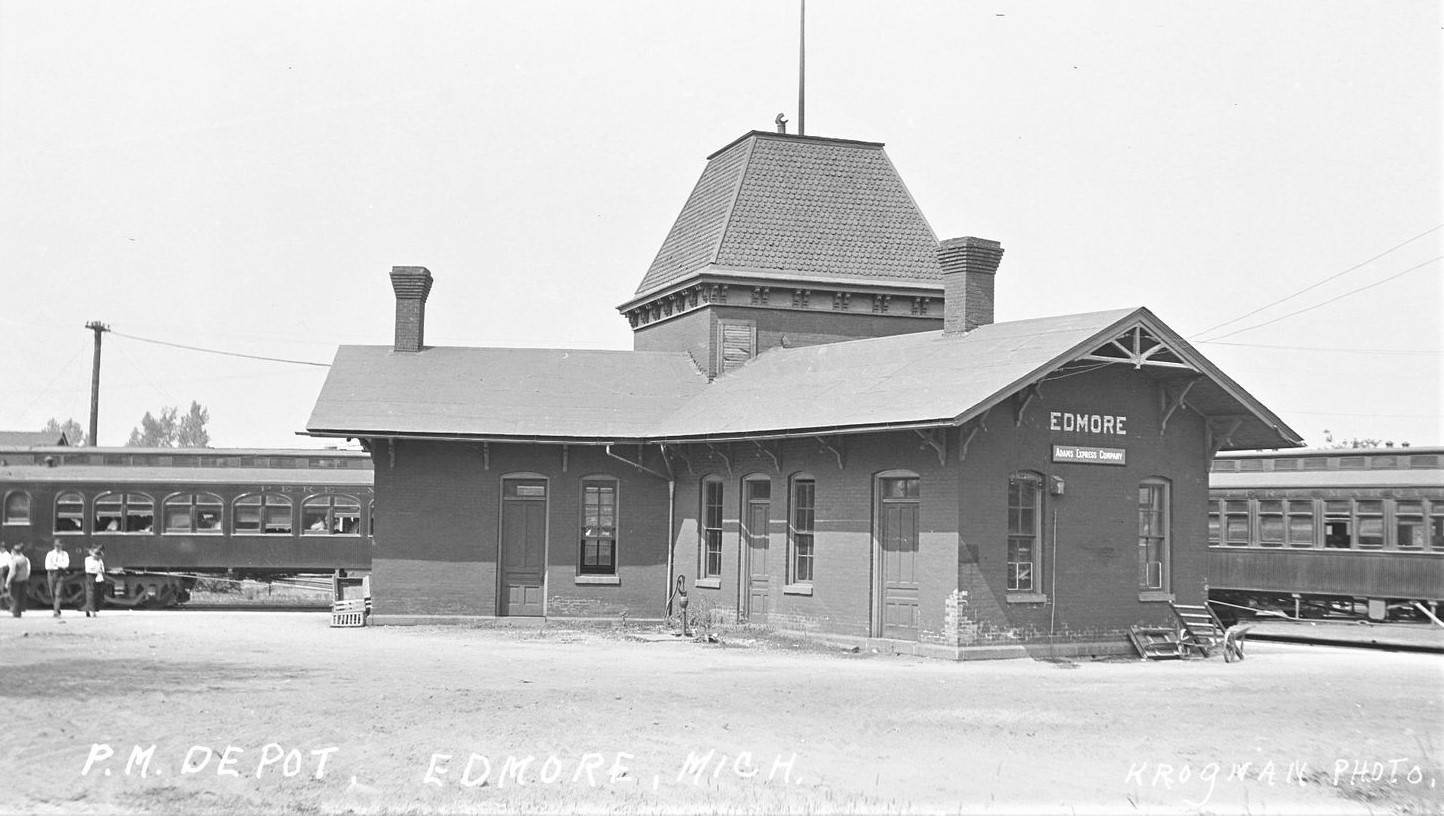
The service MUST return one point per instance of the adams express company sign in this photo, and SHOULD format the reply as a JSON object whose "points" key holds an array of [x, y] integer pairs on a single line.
{"points": [[1099, 424]]}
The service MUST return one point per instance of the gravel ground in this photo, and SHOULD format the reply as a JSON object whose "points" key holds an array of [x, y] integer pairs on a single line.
{"points": [[237, 712]]}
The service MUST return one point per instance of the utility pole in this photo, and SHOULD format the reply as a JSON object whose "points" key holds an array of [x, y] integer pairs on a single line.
{"points": [[99, 329]]}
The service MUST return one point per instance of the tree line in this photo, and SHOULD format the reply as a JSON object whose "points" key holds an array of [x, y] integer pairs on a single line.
{"points": [[170, 429]]}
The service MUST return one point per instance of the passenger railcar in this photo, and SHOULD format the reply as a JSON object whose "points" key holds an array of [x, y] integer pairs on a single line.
{"points": [[166, 515], [1328, 532]]}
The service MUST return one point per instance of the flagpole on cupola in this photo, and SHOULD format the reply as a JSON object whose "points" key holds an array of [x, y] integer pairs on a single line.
{"points": [[802, 71]]}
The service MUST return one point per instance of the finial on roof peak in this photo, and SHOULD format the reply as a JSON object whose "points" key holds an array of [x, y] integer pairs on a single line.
{"points": [[781, 122]]}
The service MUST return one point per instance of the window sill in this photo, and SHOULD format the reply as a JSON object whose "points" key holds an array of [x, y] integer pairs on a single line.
{"points": [[708, 583], [797, 589], [1154, 596], [25, 523], [598, 580], [1026, 598]]}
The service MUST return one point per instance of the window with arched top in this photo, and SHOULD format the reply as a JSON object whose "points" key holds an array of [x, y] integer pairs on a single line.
{"points": [[69, 513], [191, 513], [124, 513], [330, 515], [1153, 535], [17, 507], [1025, 530], [262, 514], [709, 555], [801, 528]]}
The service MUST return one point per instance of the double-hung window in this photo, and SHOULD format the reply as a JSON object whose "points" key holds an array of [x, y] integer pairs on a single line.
{"points": [[710, 557], [1025, 491], [599, 527], [803, 524]]}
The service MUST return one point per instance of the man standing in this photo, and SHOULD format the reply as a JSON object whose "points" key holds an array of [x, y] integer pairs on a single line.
{"points": [[57, 563], [18, 577], [94, 581]]}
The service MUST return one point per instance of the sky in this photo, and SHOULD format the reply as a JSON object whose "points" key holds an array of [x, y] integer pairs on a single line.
{"points": [[241, 177]]}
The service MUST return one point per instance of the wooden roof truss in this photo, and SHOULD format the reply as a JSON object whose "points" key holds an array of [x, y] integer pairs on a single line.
{"points": [[1138, 347]]}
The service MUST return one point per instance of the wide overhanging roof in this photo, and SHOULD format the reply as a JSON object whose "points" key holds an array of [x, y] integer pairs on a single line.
{"points": [[547, 394], [928, 379]]}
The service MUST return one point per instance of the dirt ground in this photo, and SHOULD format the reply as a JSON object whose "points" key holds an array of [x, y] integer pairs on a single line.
{"points": [[221, 712]]}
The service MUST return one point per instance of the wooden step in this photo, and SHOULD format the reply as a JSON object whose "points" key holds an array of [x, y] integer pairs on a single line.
{"points": [[1156, 642]]}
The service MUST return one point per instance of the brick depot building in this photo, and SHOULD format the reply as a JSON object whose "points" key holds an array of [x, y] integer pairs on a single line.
{"points": [[820, 428]]}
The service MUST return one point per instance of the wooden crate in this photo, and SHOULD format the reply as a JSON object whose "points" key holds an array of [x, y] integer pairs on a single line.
{"points": [[349, 613]]}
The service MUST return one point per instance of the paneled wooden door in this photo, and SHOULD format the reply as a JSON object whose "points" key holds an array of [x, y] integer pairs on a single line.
{"points": [[898, 553], [523, 547]]}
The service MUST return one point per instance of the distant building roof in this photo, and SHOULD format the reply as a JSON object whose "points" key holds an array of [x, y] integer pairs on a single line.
{"points": [[909, 380], [800, 206], [554, 394], [32, 439]]}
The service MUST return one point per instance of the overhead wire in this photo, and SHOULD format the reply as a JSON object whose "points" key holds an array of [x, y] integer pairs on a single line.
{"points": [[1324, 303], [1320, 283], [1326, 349], [218, 351]]}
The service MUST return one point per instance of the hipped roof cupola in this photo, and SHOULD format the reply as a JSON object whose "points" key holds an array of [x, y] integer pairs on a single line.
{"points": [[798, 209]]}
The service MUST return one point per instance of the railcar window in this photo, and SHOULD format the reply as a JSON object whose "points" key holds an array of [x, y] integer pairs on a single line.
{"points": [[1301, 523], [264, 514], [1338, 525], [1153, 536], [192, 513], [599, 527], [124, 513], [804, 523], [1236, 528], [1215, 524], [330, 515], [70, 513], [17, 508], [1370, 515], [1409, 530], [1436, 525], [1271, 523], [1025, 491]]}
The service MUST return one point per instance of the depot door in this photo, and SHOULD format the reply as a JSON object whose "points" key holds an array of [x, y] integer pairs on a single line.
{"points": [[523, 547], [897, 612], [757, 498]]}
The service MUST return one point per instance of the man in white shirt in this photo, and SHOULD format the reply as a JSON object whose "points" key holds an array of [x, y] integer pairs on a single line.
{"points": [[57, 564]]}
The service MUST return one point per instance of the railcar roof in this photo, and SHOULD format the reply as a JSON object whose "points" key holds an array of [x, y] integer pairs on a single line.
{"points": [[1411, 450], [1265, 479], [111, 474]]}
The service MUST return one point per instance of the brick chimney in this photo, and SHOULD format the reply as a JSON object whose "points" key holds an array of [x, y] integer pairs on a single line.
{"points": [[969, 265], [412, 284]]}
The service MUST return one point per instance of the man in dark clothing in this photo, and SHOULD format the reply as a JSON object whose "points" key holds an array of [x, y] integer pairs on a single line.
{"points": [[18, 578]]}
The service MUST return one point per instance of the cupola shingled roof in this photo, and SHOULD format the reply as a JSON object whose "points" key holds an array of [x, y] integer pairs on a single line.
{"points": [[799, 205]]}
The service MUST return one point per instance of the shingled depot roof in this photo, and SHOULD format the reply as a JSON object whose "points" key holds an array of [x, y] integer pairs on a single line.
{"points": [[829, 208], [936, 378], [501, 392], [907, 380]]}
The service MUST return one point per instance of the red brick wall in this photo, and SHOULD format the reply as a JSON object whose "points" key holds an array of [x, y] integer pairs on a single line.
{"points": [[963, 529], [437, 540], [438, 530], [695, 331], [1097, 517]]}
